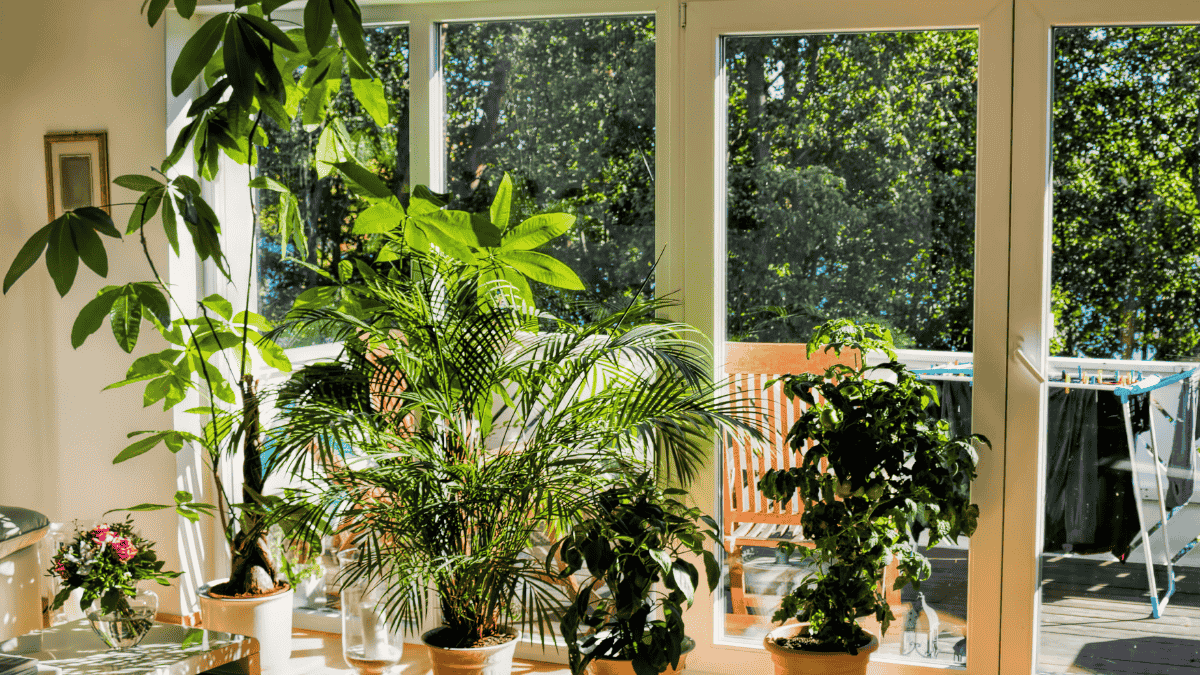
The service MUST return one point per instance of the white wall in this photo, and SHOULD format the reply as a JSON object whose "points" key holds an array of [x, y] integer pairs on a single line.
{"points": [[77, 65]]}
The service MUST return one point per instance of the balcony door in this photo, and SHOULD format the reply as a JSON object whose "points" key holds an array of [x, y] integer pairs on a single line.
{"points": [[848, 161]]}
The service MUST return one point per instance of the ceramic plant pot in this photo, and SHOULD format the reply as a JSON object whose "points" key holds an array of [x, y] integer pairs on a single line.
{"points": [[602, 666], [266, 618], [798, 662], [491, 660]]}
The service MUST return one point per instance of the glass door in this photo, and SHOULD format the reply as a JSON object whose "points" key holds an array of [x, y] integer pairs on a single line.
{"points": [[840, 167], [1112, 324]]}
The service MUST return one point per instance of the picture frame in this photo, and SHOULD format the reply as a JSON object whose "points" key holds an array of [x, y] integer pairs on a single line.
{"points": [[76, 171]]}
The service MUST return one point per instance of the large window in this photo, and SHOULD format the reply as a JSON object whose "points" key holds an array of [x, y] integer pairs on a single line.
{"points": [[566, 107]]}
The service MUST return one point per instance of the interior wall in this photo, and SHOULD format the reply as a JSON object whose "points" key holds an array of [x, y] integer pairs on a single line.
{"points": [[78, 65]]}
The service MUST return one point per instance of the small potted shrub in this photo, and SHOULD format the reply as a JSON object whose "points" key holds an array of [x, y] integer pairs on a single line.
{"points": [[627, 616], [879, 460]]}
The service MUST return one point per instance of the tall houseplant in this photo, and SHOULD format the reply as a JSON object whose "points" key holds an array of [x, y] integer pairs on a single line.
{"points": [[878, 462], [453, 437], [627, 615], [246, 64]]}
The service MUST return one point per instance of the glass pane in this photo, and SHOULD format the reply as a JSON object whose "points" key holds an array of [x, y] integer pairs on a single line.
{"points": [[566, 107], [326, 207], [850, 194], [1126, 241]]}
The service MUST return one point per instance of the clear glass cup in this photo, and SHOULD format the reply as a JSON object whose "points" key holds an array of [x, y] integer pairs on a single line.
{"points": [[369, 644]]}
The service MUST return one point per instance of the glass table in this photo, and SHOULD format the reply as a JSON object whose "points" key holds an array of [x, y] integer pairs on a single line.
{"points": [[73, 649]]}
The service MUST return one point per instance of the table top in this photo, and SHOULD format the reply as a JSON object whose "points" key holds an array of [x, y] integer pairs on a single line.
{"points": [[74, 649]]}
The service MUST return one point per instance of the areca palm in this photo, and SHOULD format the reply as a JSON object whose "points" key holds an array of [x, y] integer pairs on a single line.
{"points": [[451, 436]]}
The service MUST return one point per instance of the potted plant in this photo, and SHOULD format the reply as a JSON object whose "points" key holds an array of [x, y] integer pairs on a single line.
{"points": [[627, 615], [451, 437], [241, 56], [107, 562], [876, 460]]}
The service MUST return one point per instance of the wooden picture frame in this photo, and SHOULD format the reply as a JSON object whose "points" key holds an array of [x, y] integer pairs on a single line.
{"points": [[76, 172]]}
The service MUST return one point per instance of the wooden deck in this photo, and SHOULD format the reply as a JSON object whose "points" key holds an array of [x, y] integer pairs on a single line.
{"points": [[1095, 614]]}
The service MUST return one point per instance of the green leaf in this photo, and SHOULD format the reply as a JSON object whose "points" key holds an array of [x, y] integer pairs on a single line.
{"points": [[256, 321], [125, 316], [144, 210], [170, 224], [270, 31], [141, 447], [543, 268], [350, 30], [91, 317], [685, 578], [272, 354], [98, 219], [363, 177], [137, 182], [91, 249], [421, 236], [502, 203], [537, 231], [327, 154], [62, 260], [29, 253], [268, 183], [240, 66], [185, 8], [712, 570], [155, 10], [269, 6], [155, 302], [219, 305], [662, 558], [383, 217], [371, 95], [424, 201], [318, 24], [196, 53]]}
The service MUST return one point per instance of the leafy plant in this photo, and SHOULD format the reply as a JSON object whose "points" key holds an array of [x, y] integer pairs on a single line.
{"points": [[632, 541], [879, 461], [450, 437], [241, 56]]}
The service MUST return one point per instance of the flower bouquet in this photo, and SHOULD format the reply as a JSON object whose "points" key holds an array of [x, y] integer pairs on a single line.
{"points": [[107, 562]]}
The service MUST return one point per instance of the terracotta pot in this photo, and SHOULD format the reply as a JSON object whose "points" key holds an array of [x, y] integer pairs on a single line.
{"points": [[798, 662], [625, 666], [493, 660], [266, 618]]}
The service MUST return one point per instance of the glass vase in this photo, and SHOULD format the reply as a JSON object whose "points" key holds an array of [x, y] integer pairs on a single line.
{"points": [[369, 645], [126, 624]]}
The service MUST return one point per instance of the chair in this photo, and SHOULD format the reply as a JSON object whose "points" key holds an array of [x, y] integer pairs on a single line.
{"points": [[750, 519]]}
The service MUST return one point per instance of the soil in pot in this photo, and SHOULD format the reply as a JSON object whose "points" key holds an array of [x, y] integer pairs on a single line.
{"points": [[806, 643], [222, 591], [442, 638]]}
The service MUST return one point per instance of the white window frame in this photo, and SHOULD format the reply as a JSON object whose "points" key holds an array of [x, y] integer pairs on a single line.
{"points": [[1013, 214]]}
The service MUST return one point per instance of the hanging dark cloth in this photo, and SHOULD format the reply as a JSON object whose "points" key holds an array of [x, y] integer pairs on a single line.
{"points": [[1179, 464]]}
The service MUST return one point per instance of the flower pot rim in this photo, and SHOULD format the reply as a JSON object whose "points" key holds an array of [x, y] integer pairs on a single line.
{"points": [[792, 629], [689, 645], [205, 589], [426, 634]]}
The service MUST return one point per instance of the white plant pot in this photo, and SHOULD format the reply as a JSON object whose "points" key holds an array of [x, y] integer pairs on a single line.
{"points": [[266, 618]]}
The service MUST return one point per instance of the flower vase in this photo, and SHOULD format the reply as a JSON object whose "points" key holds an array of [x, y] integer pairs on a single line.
{"points": [[129, 620], [369, 645]]}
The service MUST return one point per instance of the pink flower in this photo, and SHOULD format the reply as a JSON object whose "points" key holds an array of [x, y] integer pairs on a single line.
{"points": [[101, 534], [124, 548], [61, 570]]}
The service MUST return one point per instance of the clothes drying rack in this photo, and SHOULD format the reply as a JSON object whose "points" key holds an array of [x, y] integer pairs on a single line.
{"points": [[1144, 385]]}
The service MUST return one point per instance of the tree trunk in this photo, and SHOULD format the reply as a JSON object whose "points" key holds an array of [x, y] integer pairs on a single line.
{"points": [[252, 569]]}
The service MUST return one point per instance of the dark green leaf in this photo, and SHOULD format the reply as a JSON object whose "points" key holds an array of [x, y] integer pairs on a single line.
{"points": [[137, 182], [170, 223], [98, 219], [196, 53], [270, 31], [29, 253], [185, 8], [91, 249], [269, 6], [155, 10], [240, 67], [349, 25], [62, 259], [318, 24], [92, 315], [144, 210], [155, 302]]}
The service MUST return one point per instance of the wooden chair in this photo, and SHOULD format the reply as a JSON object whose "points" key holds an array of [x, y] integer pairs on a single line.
{"points": [[750, 519]]}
